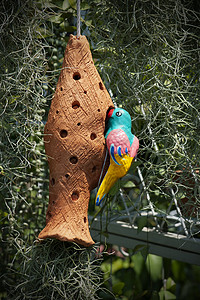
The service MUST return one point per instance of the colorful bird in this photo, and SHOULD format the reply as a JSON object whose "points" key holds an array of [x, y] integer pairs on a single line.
{"points": [[122, 146]]}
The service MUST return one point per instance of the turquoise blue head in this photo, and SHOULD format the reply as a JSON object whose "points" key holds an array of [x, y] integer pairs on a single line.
{"points": [[117, 118]]}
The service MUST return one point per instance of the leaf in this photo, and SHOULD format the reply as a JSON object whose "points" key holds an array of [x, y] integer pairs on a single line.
{"points": [[166, 295], [70, 28], [58, 3], [138, 248], [65, 4], [162, 171], [66, 15], [128, 184], [145, 252], [178, 271], [3, 213], [142, 222], [154, 265], [48, 4], [42, 33], [157, 192], [85, 6], [171, 285], [169, 295], [134, 165], [56, 19], [88, 23], [13, 99], [72, 3], [1, 171], [114, 190], [155, 296], [117, 288], [161, 294], [117, 265]]}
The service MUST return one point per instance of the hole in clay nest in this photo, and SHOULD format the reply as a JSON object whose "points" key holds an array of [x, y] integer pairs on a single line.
{"points": [[98, 110], [79, 124], [85, 92], [53, 181], [67, 176], [75, 195], [85, 219], [73, 160], [101, 85], [63, 133], [49, 214], [93, 136], [76, 76], [75, 105], [61, 88], [57, 111], [94, 169]]}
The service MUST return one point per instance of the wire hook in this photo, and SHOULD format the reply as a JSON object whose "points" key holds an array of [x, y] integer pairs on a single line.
{"points": [[78, 19]]}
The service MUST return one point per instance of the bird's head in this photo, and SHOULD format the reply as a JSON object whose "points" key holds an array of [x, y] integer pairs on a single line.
{"points": [[118, 118]]}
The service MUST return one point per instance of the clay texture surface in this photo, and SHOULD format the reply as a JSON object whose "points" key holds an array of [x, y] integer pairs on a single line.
{"points": [[75, 144]]}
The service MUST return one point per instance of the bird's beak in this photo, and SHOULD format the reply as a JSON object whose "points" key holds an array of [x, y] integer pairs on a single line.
{"points": [[109, 113]]}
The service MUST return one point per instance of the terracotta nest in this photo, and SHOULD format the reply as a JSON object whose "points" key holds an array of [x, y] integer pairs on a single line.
{"points": [[75, 144]]}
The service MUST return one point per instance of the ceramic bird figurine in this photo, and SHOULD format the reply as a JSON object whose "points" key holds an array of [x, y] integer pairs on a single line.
{"points": [[122, 146]]}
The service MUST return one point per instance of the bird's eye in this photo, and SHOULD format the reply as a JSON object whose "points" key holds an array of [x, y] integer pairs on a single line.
{"points": [[118, 113]]}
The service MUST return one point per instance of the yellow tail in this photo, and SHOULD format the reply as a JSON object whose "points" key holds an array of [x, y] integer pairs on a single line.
{"points": [[113, 174]]}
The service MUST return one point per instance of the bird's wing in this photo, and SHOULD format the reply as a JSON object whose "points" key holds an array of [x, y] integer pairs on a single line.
{"points": [[118, 143], [121, 156], [134, 147], [109, 180], [115, 171]]}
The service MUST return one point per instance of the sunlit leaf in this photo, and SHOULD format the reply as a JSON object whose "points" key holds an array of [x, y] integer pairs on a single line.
{"points": [[128, 184], [66, 4], [154, 265], [55, 19], [72, 3], [171, 285], [166, 295], [85, 6], [117, 288], [88, 23]]}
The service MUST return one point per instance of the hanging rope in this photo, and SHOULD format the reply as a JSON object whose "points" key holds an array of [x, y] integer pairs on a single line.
{"points": [[78, 19]]}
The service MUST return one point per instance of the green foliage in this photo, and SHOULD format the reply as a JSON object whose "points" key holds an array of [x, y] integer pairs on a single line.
{"points": [[23, 178], [153, 278], [147, 55], [30, 59], [56, 270], [134, 276]]}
